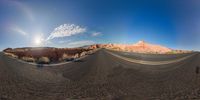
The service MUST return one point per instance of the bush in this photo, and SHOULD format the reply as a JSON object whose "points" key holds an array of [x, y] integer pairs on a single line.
{"points": [[11, 55], [90, 52], [172, 52], [76, 55], [28, 59], [83, 54], [67, 57], [43, 60], [51, 54]]}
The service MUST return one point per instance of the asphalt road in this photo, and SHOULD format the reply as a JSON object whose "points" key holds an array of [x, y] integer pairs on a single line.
{"points": [[100, 76], [150, 57]]}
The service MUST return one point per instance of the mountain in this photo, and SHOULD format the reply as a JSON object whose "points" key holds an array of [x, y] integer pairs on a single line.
{"points": [[140, 47]]}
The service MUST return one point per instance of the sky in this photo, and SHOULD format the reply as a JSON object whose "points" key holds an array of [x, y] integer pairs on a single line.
{"points": [[72, 23]]}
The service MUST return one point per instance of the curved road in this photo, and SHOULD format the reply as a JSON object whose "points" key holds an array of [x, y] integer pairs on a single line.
{"points": [[100, 76], [159, 62]]}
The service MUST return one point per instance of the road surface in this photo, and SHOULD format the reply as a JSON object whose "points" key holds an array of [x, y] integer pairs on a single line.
{"points": [[100, 76]]}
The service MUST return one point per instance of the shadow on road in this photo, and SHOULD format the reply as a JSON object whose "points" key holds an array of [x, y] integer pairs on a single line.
{"points": [[197, 70], [39, 65], [78, 60]]}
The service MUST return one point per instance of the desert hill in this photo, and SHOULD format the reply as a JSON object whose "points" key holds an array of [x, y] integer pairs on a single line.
{"points": [[140, 47], [51, 54]]}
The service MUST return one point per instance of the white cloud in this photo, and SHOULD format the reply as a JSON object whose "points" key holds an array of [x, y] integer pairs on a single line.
{"points": [[96, 34], [66, 30], [80, 43]]}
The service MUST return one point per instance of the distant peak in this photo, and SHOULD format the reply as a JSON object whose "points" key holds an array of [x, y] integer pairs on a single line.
{"points": [[141, 42]]}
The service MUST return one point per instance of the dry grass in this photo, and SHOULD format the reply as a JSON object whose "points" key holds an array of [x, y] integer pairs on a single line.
{"points": [[90, 52], [11, 55], [82, 53], [76, 55], [28, 59], [43, 60], [67, 56], [53, 55]]}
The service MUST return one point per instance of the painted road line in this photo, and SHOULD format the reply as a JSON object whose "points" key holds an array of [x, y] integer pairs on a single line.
{"points": [[150, 62]]}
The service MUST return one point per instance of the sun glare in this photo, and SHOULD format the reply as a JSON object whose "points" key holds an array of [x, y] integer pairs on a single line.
{"points": [[38, 40]]}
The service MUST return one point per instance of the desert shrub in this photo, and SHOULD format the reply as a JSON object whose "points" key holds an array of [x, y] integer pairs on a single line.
{"points": [[67, 57], [19, 54], [11, 55], [82, 53], [43, 60], [76, 55], [116, 48], [15, 56], [53, 54], [90, 52], [28, 59], [171, 52]]}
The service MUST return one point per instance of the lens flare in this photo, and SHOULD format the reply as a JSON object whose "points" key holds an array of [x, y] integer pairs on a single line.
{"points": [[38, 41]]}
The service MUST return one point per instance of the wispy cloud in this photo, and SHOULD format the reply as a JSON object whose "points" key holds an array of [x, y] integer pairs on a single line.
{"points": [[80, 43], [96, 34], [66, 30], [18, 30]]}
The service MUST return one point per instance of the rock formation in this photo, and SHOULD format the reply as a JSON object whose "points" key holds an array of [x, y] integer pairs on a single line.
{"points": [[140, 47]]}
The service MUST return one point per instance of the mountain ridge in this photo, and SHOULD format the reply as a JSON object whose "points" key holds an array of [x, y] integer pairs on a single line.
{"points": [[138, 47]]}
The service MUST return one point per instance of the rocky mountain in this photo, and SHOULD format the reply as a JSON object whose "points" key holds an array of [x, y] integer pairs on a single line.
{"points": [[140, 47]]}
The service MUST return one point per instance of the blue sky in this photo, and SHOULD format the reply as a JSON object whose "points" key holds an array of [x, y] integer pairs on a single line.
{"points": [[70, 23]]}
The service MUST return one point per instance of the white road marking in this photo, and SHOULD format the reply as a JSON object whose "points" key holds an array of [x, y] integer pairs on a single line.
{"points": [[150, 62]]}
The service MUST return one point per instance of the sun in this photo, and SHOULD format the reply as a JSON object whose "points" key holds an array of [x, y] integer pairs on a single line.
{"points": [[38, 40]]}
